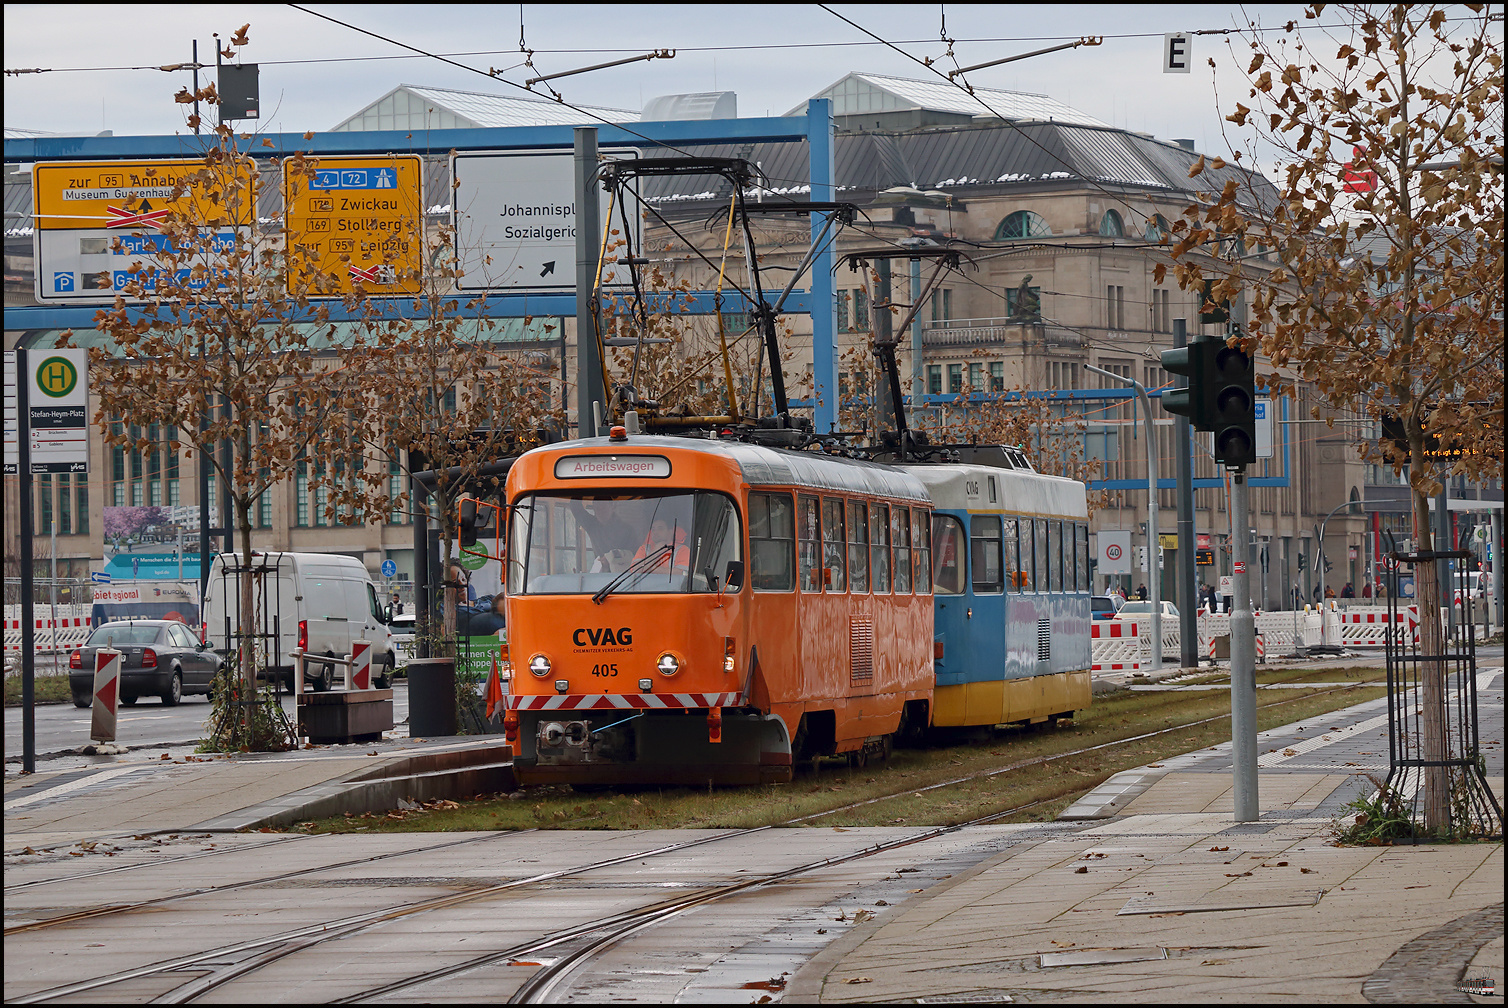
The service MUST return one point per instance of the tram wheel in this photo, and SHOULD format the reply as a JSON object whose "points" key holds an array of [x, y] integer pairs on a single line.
{"points": [[859, 758]]}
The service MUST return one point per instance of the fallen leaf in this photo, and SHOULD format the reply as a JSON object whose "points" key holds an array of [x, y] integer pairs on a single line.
{"points": [[858, 980], [1081, 870]]}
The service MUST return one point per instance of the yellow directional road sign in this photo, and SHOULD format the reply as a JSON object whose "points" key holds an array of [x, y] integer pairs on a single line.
{"points": [[96, 220], [355, 220], [126, 196]]}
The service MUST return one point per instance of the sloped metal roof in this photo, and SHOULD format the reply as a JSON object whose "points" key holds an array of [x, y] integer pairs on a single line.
{"points": [[474, 109], [861, 93], [988, 154]]}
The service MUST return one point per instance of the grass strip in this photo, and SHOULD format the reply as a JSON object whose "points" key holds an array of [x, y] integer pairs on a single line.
{"points": [[897, 783], [46, 689]]}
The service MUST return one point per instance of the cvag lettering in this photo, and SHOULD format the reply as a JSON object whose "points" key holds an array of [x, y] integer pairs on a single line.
{"points": [[600, 636]]}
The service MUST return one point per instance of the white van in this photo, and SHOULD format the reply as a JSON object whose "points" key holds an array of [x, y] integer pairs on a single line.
{"points": [[319, 602]]}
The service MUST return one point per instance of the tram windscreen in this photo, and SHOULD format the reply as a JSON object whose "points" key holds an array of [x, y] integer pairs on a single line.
{"points": [[564, 544]]}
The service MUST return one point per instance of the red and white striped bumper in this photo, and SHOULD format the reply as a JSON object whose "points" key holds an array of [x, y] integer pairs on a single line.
{"points": [[624, 701]]}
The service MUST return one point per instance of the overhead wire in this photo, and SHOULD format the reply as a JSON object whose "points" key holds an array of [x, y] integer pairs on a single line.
{"points": [[969, 90], [688, 49]]}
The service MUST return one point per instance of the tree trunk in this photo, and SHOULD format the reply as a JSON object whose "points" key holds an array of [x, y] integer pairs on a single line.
{"points": [[1433, 746], [246, 622]]}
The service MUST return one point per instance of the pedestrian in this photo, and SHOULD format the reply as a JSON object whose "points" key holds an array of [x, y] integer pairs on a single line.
{"points": [[1329, 592], [1316, 594], [1141, 593], [397, 605], [1366, 589], [1348, 591]]}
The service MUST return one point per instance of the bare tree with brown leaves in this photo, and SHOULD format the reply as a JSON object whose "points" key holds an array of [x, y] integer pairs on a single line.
{"points": [[1388, 235]]}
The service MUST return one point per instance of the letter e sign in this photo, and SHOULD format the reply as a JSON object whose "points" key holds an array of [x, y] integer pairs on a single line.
{"points": [[1176, 52]]}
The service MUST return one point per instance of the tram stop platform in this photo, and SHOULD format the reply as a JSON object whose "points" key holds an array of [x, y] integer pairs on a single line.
{"points": [[1146, 890]]}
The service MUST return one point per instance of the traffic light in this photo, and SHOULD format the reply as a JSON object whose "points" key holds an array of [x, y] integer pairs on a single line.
{"points": [[466, 519], [1194, 362], [1303, 561], [1233, 403]]}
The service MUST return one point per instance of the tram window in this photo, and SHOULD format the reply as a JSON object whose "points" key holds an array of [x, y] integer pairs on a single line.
{"points": [[833, 545], [1028, 542], [947, 565], [900, 540], [984, 554], [879, 546], [1043, 556], [772, 540], [1011, 548], [578, 544], [921, 551], [858, 546], [1055, 555], [1081, 557], [994, 494], [809, 542]]}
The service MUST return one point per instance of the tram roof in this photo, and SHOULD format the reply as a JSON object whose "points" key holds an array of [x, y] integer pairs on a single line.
{"points": [[763, 466], [1020, 491]]}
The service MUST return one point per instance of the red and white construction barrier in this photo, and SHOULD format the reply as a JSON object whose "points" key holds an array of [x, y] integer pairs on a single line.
{"points": [[1115, 646], [67, 634]]}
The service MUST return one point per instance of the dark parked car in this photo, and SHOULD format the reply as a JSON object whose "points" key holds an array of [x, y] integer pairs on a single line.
{"points": [[159, 658]]}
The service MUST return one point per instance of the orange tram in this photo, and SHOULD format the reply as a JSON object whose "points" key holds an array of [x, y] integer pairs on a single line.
{"points": [[692, 611]]}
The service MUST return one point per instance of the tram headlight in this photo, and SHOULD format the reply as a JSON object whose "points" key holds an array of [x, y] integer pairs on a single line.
{"points": [[539, 665], [668, 664]]}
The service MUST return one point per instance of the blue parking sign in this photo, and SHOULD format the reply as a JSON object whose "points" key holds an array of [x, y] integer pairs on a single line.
{"points": [[62, 283]]}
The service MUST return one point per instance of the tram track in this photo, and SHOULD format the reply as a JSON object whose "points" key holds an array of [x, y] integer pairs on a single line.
{"points": [[163, 862], [298, 939], [258, 953], [230, 887]]}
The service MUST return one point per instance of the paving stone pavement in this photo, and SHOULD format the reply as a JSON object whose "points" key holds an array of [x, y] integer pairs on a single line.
{"points": [[1165, 899], [1155, 896]]}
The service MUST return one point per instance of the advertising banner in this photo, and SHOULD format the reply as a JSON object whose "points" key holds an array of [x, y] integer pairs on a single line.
{"points": [[148, 600], [152, 543]]}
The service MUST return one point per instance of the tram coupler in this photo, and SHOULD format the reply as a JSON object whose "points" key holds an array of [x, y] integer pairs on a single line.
{"points": [[714, 724]]}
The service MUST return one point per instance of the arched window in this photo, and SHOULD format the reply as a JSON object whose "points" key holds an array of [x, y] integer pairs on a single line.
{"points": [[1111, 225], [1158, 229], [1022, 224]]}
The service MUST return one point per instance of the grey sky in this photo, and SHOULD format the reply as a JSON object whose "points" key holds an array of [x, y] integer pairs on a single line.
{"points": [[1119, 82]]}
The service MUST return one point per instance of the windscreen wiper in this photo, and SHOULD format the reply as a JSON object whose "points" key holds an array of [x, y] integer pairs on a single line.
{"points": [[644, 564]]}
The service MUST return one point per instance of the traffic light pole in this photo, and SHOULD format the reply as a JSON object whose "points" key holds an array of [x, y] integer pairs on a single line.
{"points": [[1243, 661], [1188, 597]]}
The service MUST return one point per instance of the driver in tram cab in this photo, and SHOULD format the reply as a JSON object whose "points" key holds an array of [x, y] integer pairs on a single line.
{"points": [[661, 532], [612, 536]]}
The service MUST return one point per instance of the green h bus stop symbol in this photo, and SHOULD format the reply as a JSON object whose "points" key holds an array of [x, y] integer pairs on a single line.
{"points": [[56, 377]]}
